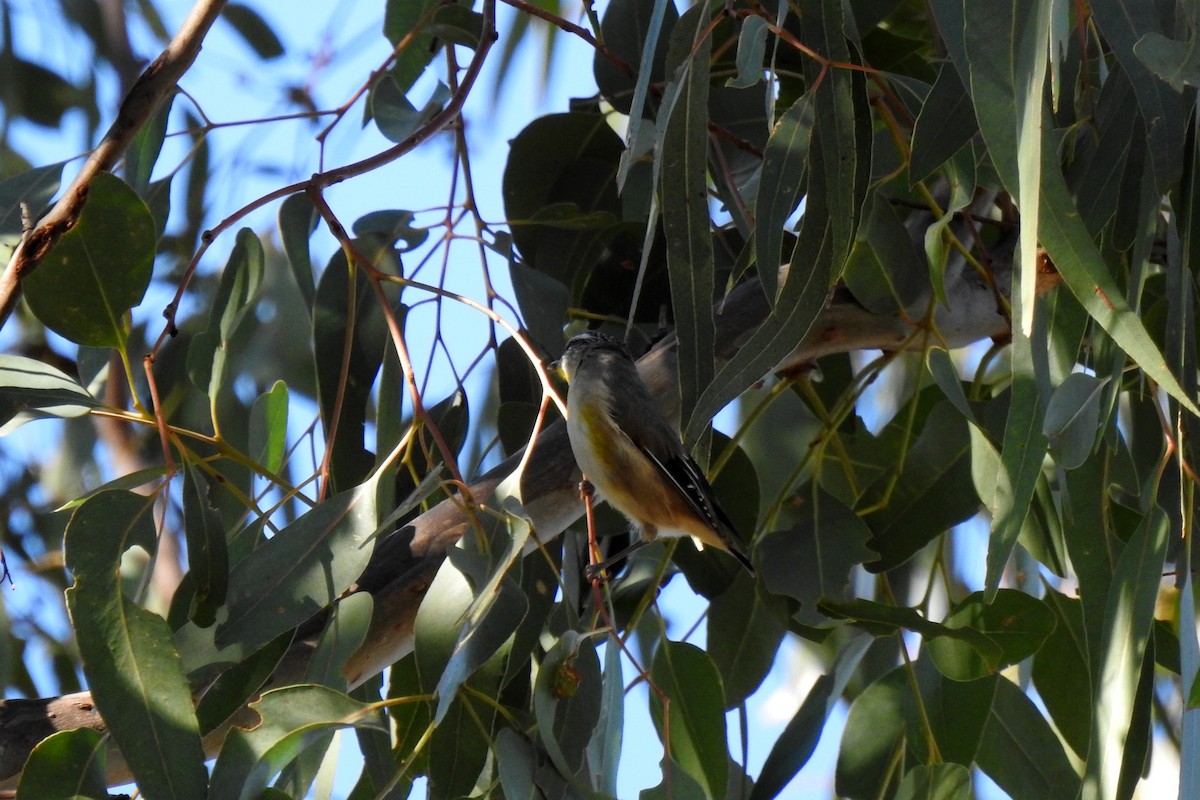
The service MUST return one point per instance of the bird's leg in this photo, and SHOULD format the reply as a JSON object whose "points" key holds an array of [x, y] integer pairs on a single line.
{"points": [[587, 493], [596, 569]]}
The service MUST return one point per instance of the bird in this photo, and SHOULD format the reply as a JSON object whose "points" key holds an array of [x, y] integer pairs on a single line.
{"points": [[628, 450]]}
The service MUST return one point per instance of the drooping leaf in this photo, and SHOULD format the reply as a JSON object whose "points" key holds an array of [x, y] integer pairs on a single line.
{"points": [[1072, 418], [813, 559], [254, 30], [134, 671], [688, 678], [785, 160], [749, 622], [798, 741], [683, 172], [567, 701], [208, 355], [1020, 752], [937, 782], [208, 558], [297, 221]]}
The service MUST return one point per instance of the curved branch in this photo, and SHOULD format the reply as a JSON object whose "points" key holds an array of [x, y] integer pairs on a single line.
{"points": [[150, 89]]}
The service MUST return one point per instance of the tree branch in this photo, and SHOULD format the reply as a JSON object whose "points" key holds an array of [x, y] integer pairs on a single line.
{"points": [[155, 83]]}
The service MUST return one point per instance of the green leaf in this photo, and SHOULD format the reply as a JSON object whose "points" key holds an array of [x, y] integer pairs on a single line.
{"points": [[143, 151], [1123, 23], [254, 29], [1072, 419], [814, 558], [684, 202], [407, 19], [33, 189], [348, 326], [131, 664], [784, 164], [933, 493], [238, 684], [31, 389], [936, 782], [689, 680], [208, 355], [1021, 456], [344, 634], [874, 735], [1127, 623], [268, 427], [1060, 673], [945, 375], [543, 301], [567, 701], [946, 123], [1020, 752], [1177, 63], [604, 750], [65, 766], [457, 25], [301, 570], [752, 46], [291, 718], [882, 620], [480, 639], [749, 623], [297, 221], [207, 557], [883, 270], [395, 115], [99, 269], [517, 762], [1018, 623], [1079, 262], [637, 33], [798, 741]]}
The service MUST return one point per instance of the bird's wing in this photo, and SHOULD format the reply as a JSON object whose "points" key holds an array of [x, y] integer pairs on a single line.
{"points": [[685, 474]]}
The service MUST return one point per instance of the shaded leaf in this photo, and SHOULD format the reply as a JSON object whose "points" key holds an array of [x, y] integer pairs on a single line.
{"points": [[297, 221], [65, 766], [936, 782], [31, 389], [1020, 752], [783, 169], [813, 559], [99, 269], [749, 623], [687, 677], [133, 669], [208, 559], [798, 741], [291, 717], [301, 570], [1072, 419], [254, 30]]}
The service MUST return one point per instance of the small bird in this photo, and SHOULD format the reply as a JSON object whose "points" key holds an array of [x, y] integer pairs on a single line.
{"points": [[632, 454]]}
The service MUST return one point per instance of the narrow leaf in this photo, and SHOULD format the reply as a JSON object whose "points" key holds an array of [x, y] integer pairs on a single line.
{"points": [[129, 659], [303, 569], [686, 676]]}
